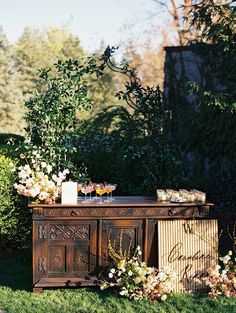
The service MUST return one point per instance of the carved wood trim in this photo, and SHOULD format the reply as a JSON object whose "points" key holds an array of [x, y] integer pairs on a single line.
{"points": [[42, 262], [125, 212], [64, 232], [38, 212], [42, 232]]}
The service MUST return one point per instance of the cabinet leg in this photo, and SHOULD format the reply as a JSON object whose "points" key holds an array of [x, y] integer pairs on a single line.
{"points": [[37, 290]]}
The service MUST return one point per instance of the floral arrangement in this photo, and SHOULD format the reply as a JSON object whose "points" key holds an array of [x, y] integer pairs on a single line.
{"points": [[37, 181], [137, 281], [222, 280]]}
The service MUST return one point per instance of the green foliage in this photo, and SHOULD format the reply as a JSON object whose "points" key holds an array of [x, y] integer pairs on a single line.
{"points": [[14, 217], [206, 127], [130, 148], [41, 48], [217, 22], [16, 296], [10, 96], [7, 218], [51, 115], [114, 147]]}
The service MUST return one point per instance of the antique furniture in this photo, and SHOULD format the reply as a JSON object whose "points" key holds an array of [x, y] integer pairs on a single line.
{"points": [[70, 242]]}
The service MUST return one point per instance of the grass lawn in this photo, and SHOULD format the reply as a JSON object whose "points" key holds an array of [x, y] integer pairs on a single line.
{"points": [[16, 296]]}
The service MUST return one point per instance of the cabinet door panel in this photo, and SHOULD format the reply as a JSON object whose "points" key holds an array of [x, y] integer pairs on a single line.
{"points": [[57, 259], [81, 259], [71, 248], [121, 237]]}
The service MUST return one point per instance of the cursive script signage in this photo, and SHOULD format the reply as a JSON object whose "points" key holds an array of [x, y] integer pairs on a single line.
{"points": [[189, 247]]}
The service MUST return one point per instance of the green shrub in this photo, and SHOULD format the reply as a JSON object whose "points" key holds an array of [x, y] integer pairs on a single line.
{"points": [[7, 199], [114, 149], [14, 219]]}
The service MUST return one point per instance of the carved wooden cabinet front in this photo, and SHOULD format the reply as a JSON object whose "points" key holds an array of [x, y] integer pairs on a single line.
{"points": [[72, 245], [64, 249]]}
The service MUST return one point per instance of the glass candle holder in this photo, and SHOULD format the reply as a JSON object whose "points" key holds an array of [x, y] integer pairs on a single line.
{"points": [[171, 193], [183, 193], [161, 195], [199, 196], [190, 196]]}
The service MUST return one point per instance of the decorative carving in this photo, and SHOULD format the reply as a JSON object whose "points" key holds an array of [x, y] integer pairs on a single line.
{"points": [[42, 232], [38, 212], [57, 259], [129, 212], [51, 212], [42, 264], [189, 212], [121, 242], [63, 232]]}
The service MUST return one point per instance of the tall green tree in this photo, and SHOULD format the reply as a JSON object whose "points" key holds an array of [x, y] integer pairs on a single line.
{"points": [[10, 95], [41, 48]]}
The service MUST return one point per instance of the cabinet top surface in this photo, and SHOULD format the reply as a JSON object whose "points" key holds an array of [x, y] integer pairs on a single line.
{"points": [[121, 201]]}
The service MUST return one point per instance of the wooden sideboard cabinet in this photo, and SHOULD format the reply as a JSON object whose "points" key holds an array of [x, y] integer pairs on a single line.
{"points": [[70, 242]]}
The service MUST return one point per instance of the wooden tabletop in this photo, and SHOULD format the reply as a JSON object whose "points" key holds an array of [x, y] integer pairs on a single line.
{"points": [[123, 201]]}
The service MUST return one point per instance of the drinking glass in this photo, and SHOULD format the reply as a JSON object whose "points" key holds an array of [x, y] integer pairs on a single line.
{"points": [[100, 190], [85, 190], [91, 187], [112, 188], [108, 191]]}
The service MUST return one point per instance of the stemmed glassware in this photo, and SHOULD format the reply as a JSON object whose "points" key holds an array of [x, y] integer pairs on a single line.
{"points": [[100, 190], [108, 190], [112, 188], [85, 190]]}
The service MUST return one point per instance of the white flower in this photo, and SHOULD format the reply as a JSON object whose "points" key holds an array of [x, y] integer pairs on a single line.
{"points": [[123, 292], [43, 164], [102, 287], [22, 156], [137, 280], [66, 171], [130, 273], [49, 168], [230, 252], [139, 252], [110, 275], [163, 297], [112, 270], [225, 259], [54, 177], [34, 152], [161, 276], [138, 248]]}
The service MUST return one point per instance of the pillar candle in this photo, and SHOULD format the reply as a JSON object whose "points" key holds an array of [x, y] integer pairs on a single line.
{"points": [[69, 193]]}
